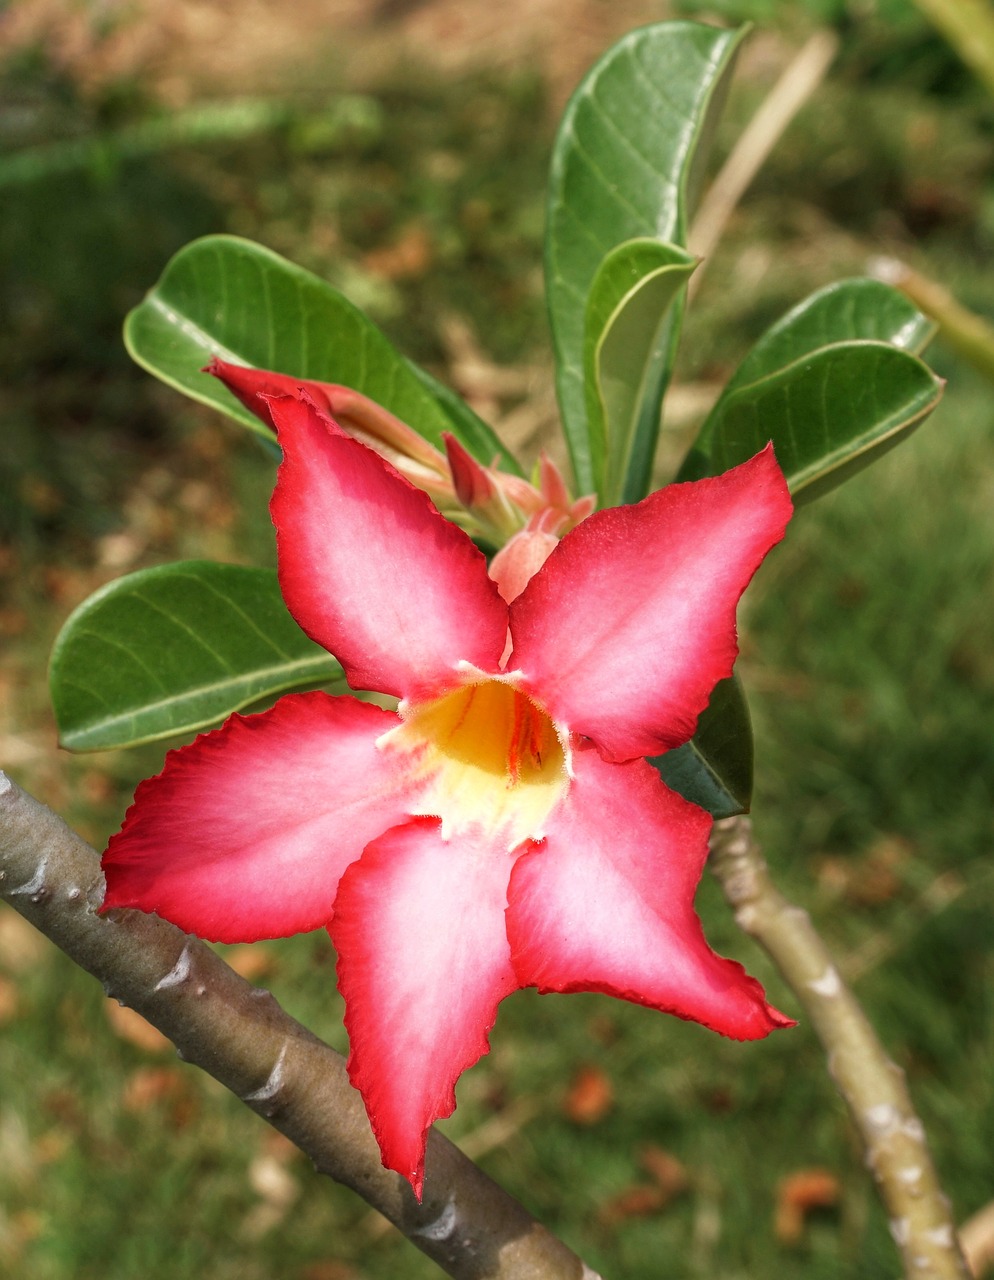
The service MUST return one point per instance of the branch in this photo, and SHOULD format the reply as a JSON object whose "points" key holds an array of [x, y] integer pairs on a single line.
{"points": [[871, 1084], [965, 331], [241, 1036]]}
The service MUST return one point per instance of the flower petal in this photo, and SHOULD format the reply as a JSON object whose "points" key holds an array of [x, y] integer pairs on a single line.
{"points": [[423, 963], [628, 626], [369, 568], [255, 387], [606, 904], [246, 832], [355, 413]]}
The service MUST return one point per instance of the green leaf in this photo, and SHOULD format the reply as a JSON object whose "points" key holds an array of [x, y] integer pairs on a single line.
{"points": [[834, 383], [829, 414], [714, 769], [168, 650], [632, 323], [229, 297], [624, 167], [846, 311]]}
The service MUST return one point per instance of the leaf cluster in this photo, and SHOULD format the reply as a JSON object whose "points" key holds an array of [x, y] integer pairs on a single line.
{"points": [[834, 384]]}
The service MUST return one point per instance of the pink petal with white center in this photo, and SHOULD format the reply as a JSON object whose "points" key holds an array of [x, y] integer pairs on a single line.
{"points": [[606, 903], [422, 964], [246, 832], [628, 626], [370, 570]]}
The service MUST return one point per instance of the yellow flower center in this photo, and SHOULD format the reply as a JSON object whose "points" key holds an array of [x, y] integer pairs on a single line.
{"points": [[490, 757]]}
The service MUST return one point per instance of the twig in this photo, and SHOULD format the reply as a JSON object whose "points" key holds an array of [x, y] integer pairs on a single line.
{"points": [[977, 1239], [800, 79], [871, 1084], [241, 1036], [966, 332]]}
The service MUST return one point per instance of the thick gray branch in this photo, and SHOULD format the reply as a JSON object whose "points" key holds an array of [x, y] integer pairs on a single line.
{"points": [[871, 1084], [241, 1036]]}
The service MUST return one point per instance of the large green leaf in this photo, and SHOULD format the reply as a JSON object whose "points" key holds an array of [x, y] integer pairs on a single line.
{"points": [[829, 414], [628, 353], [168, 650], [834, 383], [714, 769], [845, 311], [624, 167], [231, 298]]}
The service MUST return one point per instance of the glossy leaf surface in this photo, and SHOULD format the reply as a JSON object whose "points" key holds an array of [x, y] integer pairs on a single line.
{"points": [[631, 328], [835, 383], [176, 648], [845, 311], [624, 167], [714, 770], [223, 296], [829, 414]]}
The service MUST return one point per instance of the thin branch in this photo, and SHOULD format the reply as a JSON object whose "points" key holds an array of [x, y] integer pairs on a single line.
{"points": [[241, 1036], [977, 1238], [800, 79], [872, 1085], [965, 331]]}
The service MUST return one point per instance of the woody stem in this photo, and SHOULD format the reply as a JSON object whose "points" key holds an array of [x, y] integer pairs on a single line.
{"points": [[239, 1034], [872, 1086]]}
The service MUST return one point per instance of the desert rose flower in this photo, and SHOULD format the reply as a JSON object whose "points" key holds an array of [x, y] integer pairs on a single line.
{"points": [[501, 828]]}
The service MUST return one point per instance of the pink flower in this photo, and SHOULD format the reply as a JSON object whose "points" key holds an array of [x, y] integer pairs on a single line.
{"points": [[500, 829]]}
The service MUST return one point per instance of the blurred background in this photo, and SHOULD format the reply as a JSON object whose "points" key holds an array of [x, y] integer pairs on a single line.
{"points": [[399, 149]]}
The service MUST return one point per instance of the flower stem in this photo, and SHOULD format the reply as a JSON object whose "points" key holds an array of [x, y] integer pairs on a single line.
{"points": [[872, 1085], [239, 1034]]}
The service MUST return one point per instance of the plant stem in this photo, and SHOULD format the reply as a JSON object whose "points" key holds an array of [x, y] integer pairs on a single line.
{"points": [[241, 1036], [872, 1086], [966, 332]]}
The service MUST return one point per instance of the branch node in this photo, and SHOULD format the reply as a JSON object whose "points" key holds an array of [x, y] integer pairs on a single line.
{"points": [[444, 1224], [261, 1098], [35, 888], [179, 973]]}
